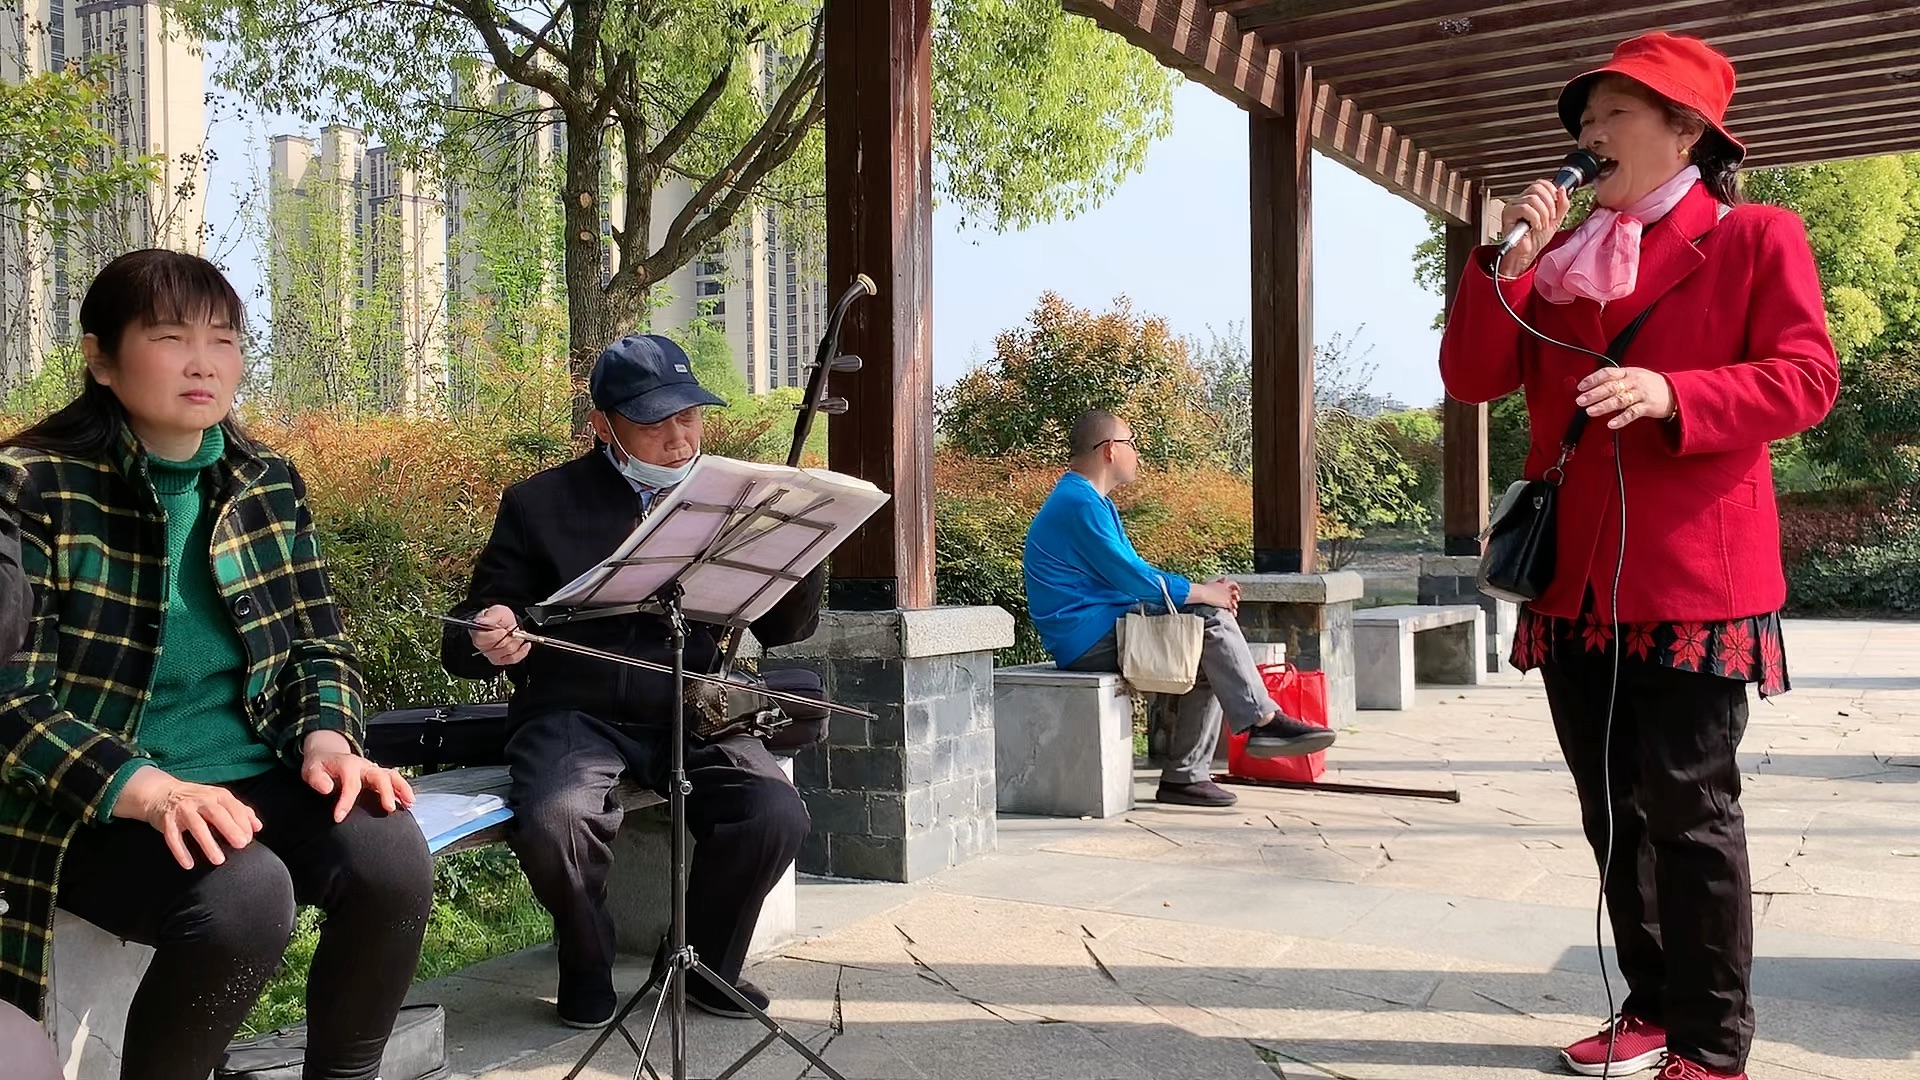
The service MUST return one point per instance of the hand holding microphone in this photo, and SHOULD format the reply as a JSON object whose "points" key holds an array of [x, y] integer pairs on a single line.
{"points": [[1529, 222]]}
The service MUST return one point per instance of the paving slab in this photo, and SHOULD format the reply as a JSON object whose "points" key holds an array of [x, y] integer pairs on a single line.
{"points": [[1314, 935]]}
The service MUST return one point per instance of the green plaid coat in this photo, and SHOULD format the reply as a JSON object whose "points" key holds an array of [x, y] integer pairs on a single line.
{"points": [[93, 544]]}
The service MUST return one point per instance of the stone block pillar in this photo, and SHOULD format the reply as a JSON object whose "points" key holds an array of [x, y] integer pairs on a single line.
{"points": [[910, 792], [1312, 615], [1453, 579]]}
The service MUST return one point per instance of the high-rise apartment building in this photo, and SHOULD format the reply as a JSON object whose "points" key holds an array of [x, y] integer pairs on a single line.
{"points": [[154, 105], [357, 272], [418, 256]]}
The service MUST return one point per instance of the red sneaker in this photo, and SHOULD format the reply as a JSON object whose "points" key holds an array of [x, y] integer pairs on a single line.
{"points": [[1679, 1068], [1637, 1046]]}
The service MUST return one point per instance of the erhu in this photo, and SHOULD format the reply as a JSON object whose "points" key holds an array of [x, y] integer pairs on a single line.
{"points": [[720, 709]]}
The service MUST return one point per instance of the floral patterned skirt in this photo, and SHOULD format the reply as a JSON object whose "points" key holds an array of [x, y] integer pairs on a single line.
{"points": [[1749, 649]]}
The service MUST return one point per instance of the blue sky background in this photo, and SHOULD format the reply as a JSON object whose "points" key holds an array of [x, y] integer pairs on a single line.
{"points": [[1173, 239]]}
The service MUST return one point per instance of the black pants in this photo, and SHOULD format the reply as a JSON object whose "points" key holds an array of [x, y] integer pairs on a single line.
{"points": [[1680, 894], [745, 817], [218, 932]]}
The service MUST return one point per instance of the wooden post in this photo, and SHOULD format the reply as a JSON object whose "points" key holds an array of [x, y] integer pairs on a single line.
{"points": [[1463, 427], [879, 128], [1280, 169]]}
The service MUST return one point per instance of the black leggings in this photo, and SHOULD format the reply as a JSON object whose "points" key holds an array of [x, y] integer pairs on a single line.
{"points": [[218, 932]]}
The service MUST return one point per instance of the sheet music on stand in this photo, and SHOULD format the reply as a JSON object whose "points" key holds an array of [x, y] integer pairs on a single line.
{"points": [[735, 535]]}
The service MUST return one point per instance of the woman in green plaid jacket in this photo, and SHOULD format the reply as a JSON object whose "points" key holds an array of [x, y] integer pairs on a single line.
{"points": [[179, 736]]}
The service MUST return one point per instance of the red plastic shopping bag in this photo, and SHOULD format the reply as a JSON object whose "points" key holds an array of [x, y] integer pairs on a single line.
{"points": [[1301, 695]]}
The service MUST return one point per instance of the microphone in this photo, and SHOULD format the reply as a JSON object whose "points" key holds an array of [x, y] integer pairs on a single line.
{"points": [[1576, 172]]}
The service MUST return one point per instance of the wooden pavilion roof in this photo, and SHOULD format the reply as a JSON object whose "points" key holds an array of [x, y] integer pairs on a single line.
{"points": [[1445, 100]]}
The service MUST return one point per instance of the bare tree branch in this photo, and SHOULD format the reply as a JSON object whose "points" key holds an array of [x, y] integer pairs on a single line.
{"points": [[519, 68], [331, 14], [804, 87], [537, 42], [696, 114], [681, 242]]}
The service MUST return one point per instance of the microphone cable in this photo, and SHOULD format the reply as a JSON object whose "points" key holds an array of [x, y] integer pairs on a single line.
{"points": [[1613, 688]]}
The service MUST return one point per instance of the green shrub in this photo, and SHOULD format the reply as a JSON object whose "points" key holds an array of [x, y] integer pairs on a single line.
{"points": [[1852, 550]]}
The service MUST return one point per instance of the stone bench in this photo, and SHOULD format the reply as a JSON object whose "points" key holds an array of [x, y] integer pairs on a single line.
{"points": [[95, 973], [1395, 646], [1062, 742], [1312, 615], [1454, 579]]}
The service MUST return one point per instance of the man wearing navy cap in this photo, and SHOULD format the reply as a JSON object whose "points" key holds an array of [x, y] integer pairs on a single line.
{"points": [[581, 724]]}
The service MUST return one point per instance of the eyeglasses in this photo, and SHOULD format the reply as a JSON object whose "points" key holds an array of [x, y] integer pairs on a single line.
{"points": [[1131, 440]]}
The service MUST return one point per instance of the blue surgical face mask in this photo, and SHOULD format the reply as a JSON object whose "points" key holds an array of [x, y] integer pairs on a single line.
{"points": [[647, 475]]}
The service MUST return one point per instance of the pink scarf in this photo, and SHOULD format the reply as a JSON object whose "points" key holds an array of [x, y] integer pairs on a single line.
{"points": [[1601, 261]]}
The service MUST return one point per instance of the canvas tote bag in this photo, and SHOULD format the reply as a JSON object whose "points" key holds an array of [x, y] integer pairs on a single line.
{"points": [[1160, 654]]}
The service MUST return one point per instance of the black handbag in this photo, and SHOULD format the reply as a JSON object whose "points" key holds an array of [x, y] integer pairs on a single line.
{"points": [[417, 1050], [437, 737], [1517, 550]]}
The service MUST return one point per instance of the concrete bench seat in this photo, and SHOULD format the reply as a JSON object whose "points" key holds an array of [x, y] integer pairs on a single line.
{"points": [[493, 780], [1396, 646], [94, 973], [1062, 742]]}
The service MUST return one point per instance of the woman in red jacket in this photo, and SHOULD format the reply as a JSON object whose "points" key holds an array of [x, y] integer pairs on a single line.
{"points": [[1661, 611]]}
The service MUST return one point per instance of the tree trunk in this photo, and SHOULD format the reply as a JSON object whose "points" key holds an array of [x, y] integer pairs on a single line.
{"points": [[598, 313], [590, 316]]}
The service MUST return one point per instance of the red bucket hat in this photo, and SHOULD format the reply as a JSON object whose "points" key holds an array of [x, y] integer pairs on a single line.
{"points": [[1684, 70]]}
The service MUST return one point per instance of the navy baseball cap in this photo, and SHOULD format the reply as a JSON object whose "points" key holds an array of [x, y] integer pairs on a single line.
{"points": [[646, 378]]}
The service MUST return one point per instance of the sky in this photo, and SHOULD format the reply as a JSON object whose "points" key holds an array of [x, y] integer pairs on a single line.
{"points": [[1173, 239]]}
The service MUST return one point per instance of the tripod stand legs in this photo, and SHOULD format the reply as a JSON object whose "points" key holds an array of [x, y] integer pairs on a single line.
{"points": [[671, 981], [681, 960]]}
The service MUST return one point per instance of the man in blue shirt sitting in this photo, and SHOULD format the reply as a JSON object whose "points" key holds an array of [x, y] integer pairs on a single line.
{"points": [[1083, 576]]}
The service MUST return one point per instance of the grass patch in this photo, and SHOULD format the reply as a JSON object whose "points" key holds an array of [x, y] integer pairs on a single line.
{"points": [[482, 908]]}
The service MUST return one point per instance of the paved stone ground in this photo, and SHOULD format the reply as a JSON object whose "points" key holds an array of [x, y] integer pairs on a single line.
{"points": [[1319, 935]]}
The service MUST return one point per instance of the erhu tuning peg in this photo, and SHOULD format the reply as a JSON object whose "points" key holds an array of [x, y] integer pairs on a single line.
{"points": [[847, 363], [833, 406]]}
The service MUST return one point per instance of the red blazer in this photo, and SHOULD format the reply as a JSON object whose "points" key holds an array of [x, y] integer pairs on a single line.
{"points": [[1741, 334]]}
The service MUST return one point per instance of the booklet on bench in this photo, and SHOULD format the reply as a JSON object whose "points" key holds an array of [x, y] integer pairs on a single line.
{"points": [[445, 816]]}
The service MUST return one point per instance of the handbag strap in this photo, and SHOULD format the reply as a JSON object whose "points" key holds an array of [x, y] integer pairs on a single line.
{"points": [[1616, 351]]}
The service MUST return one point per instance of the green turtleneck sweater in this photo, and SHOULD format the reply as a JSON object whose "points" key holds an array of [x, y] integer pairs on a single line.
{"points": [[195, 722]]}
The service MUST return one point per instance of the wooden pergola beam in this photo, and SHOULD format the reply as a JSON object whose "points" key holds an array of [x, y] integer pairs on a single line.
{"points": [[1360, 141], [1191, 38], [1206, 45], [1468, 146], [1570, 33], [1455, 91]]}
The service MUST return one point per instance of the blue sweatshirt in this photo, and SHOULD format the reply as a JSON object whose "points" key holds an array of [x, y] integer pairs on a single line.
{"points": [[1082, 572]]}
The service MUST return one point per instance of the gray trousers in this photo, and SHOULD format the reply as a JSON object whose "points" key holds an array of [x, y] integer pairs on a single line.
{"points": [[1228, 682]]}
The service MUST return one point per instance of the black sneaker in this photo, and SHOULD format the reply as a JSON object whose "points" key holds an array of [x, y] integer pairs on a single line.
{"points": [[707, 997], [1203, 793], [1284, 736], [587, 1004]]}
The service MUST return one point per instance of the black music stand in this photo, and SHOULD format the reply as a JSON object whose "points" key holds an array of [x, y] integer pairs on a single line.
{"points": [[745, 521]]}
